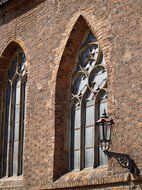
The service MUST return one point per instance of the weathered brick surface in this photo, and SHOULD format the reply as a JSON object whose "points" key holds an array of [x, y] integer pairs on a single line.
{"points": [[50, 31]]}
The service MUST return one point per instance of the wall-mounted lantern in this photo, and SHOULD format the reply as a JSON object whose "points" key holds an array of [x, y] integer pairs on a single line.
{"points": [[105, 125], [105, 129]]}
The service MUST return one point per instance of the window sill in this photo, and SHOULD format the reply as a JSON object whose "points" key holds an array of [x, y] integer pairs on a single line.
{"points": [[14, 181], [89, 177]]}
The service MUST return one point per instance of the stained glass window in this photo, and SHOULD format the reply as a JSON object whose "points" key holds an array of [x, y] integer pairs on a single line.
{"points": [[88, 88], [13, 121]]}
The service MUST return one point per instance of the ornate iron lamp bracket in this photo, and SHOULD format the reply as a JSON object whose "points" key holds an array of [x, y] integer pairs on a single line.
{"points": [[124, 161]]}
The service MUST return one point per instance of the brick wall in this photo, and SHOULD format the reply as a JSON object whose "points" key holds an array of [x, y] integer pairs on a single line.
{"points": [[50, 32]]}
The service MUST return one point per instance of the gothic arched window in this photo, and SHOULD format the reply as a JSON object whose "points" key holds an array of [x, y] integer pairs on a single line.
{"points": [[88, 101], [13, 117]]}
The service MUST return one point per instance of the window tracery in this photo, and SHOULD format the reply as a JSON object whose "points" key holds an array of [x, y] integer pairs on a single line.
{"points": [[88, 101], [13, 119]]}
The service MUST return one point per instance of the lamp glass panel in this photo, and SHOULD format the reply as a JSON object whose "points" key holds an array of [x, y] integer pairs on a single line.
{"points": [[108, 125], [100, 131]]}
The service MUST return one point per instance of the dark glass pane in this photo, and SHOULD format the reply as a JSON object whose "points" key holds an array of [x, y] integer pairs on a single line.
{"points": [[16, 131], [98, 78], [23, 103], [8, 92], [15, 167], [75, 115], [76, 160], [12, 69], [80, 84], [22, 60], [89, 157], [90, 38], [18, 94], [17, 113], [89, 136], [77, 118], [17, 100], [7, 106], [15, 157], [84, 58], [6, 128], [4, 166], [103, 103], [89, 56], [89, 113], [103, 106], [77, 139]]}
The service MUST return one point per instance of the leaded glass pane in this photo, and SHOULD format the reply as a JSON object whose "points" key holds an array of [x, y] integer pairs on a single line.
{"points": [[16, 131], [103, 103], [14, 167], [89, 56], [15, 151], [98, 78], [77, 139], [103, 106], [6, 129], [17, 113], [76, 159], [89, 113], [18, 94], [84, 57], [23, 105], [16, 125], [22, 60], [77, 118], [80, 85], [12, 68], [89, 136], [89, 157]]}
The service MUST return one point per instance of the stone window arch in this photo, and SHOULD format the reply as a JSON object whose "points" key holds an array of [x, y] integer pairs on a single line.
{"points": [[12, 115], [67, 100]]}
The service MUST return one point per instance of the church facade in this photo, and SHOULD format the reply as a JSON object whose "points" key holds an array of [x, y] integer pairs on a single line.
{"points": [[64, 64]]}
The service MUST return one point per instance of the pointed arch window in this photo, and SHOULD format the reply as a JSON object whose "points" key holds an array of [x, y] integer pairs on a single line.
{"points": [[13, 117], [88, 101]]}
